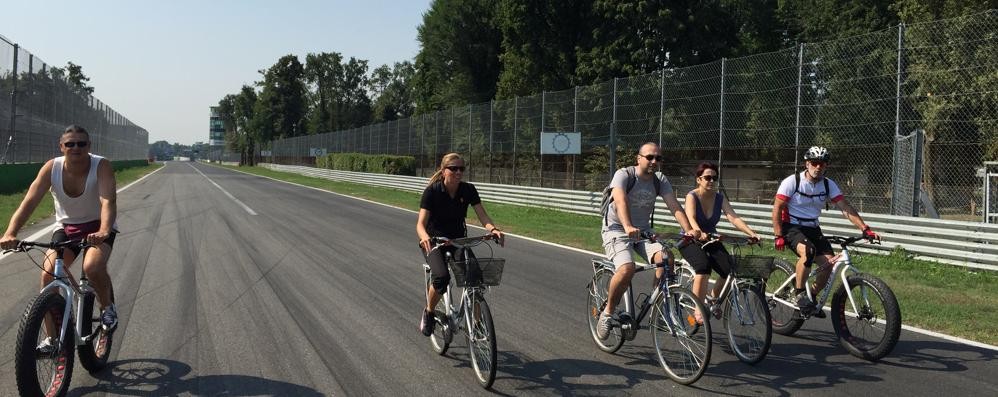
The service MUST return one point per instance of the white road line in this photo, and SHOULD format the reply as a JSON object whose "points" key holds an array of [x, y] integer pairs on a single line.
{"points": [[598, 255], [245, 207], [47, 230]]}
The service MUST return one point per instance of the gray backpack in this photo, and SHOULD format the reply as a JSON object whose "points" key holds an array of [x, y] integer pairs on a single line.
{"points": [[604, 206]]}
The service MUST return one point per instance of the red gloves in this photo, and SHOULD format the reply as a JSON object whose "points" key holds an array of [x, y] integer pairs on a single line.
{"points": [[780, 243], [870, 234]]}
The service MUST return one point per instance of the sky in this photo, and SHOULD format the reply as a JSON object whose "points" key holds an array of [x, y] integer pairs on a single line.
{"points": [[162, 64]]}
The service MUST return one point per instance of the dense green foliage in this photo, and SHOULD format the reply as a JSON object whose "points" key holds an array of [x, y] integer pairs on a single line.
{"points": [[374, 163]]}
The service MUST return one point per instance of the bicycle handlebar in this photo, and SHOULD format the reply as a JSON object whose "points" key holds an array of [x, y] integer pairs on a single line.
{"points": [[463, 242], [712, 237], [846, 241], [24, 246]]}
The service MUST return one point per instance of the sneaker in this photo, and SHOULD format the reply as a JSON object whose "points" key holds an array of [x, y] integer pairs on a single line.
{"points": [[46, 348], [818, 313], [427, 323], [109, 319], [603, 326]]}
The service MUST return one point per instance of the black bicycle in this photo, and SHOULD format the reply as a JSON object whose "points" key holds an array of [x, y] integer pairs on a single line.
{"points": [[50, 329]]}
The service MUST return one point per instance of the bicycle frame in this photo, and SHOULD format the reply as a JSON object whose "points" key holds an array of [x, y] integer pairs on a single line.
{"points": [[74, 296], [628, 297], [842, 267]]}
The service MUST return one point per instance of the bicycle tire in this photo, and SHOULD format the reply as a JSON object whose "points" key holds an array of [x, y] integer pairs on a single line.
{"points": [[54, 379], [482, 342], [786, 320], [750, 314], [95, 353], [851, 336], [683, 346], [598, 292], [442, 334]]}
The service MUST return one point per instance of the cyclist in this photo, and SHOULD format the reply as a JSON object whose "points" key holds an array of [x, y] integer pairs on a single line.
{"points": [[701, 201], [634, 190], [83, 187], [442, 210], [796, 209]]}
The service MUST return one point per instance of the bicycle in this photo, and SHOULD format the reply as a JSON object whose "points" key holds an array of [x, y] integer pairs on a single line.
{"points": [[855, 292], [475, 276], [741, 303], [46, 369], [682, 345]]}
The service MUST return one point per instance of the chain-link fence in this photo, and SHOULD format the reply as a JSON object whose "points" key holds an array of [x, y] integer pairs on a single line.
{"points": [[862, 97], [37, 105]]}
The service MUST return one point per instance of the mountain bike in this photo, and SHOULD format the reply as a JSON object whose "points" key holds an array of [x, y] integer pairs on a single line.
{"points": [[475, 276], [62, 317], [741, 303], [865, 312], [682, 345]]}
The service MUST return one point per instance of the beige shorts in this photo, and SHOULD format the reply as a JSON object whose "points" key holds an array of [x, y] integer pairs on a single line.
{"points": [[619, 248]]}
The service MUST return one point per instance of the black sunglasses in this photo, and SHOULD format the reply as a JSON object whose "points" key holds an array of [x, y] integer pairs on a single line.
{"points": [[817, 162], [71, 144], [709, 178], [455, 168], [651, 157]]}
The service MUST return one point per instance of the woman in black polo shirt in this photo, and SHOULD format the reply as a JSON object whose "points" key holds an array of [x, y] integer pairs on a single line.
{"points": [[441, 214]]}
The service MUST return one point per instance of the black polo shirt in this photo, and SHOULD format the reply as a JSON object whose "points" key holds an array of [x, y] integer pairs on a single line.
{"points": [[447, 213]]}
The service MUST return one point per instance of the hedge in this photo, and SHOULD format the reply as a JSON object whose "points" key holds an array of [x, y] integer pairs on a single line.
{"points": [[17, 177], [373, 163]]}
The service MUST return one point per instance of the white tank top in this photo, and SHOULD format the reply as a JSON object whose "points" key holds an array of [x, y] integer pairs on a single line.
{"points": [[83, 208]]}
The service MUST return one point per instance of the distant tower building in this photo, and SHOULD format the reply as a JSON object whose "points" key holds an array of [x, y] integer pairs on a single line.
{"points": [[216, 129]]}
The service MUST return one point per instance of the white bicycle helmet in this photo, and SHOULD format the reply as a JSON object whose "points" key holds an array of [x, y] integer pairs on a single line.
{"points": [[816, 153]]}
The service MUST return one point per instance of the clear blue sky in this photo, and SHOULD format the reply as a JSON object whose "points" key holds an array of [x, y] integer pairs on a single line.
{"points": [[163, 63]]}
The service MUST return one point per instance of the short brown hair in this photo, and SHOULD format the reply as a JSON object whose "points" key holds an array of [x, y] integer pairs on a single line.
{"points": [[75, 129]]}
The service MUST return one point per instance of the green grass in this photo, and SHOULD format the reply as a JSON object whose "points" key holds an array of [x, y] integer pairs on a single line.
{"points": [[939, 297], [45, 209]]}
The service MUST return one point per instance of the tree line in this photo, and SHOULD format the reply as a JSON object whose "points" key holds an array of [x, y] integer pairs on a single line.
{"points": [[473, 51]]}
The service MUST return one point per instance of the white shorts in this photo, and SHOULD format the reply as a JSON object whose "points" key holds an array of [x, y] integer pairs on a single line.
{"points": [[618, 248]]}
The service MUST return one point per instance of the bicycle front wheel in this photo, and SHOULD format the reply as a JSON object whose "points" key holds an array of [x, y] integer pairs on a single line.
{"points": [[779, 291], [873, 331], [44, 368], [482, 342], [441, 337], [750, 328], [94, 353], [683, 345], [599, 290]]}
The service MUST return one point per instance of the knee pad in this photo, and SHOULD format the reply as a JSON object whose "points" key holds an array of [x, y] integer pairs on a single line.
{"points": [[440, 283]]}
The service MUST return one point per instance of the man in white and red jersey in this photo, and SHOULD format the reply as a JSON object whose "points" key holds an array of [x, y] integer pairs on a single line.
{"points": [[796, 210], [83, 187]]}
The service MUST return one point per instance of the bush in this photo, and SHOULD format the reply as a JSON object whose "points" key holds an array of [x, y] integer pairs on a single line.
{"points": [[374, 163]]}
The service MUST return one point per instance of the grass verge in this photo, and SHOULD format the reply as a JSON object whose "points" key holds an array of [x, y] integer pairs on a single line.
{"points": [[939, 297], [46, 208]]}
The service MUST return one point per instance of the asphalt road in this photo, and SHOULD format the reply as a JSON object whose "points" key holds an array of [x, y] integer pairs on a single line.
{"points": [[320, 294]]}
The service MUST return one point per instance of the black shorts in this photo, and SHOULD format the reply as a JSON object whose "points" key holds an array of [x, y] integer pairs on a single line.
{"points": [[796, 234], [703, 259], [60, 235]]}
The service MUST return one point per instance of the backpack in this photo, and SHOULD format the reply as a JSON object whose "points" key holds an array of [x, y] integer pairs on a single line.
{"points": [[797, 191], [604, 206]]}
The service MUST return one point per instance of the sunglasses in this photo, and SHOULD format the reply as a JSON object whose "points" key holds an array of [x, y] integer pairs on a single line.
{"points": [[709, 178], [71, 144], [455, 168], [817, 163], [651, 157]]}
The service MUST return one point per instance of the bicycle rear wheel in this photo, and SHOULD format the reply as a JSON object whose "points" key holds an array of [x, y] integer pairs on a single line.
{"points": [[44, 371], [442, 334], [482, 341], [873, 332], [750, 328], [94, 353], [785, 318], [683, 346], [598, 294]]}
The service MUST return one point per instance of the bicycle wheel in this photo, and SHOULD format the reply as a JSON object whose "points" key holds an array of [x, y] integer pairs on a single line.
{"points": [[683, 346], [785, 317], [94, 353], [750, 328], [442, 334], [43, 371], [873, 332], [684, 274], [482, 341], [598, 292]]}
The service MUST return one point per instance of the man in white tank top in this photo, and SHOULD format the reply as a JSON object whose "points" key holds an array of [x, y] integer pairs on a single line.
{"points": [[84, 190]]}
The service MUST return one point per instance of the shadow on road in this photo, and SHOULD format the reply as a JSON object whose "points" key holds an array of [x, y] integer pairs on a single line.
{"points": [[158, 377], [571, 376]]}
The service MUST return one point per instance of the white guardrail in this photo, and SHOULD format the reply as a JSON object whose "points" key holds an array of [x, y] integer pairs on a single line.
{"points": [[966, 244]]}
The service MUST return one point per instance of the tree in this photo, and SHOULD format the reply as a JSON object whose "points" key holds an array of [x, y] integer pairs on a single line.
{"points": [[393, 91], [78, 80], [280, 109], [339, 100], [458, 62], [161, 150]]}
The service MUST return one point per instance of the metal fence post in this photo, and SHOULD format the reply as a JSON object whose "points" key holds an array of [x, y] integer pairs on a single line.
{"points": [[516, 108], [661, 106], [492, 109], [613, 127], [540, 155], [12, 141], [470, 151], [720, 132], [800, 77], [575, 128]]}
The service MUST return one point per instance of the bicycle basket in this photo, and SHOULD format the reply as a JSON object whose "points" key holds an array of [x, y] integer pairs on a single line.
{"points": [[490, 269], [753, 266]]}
